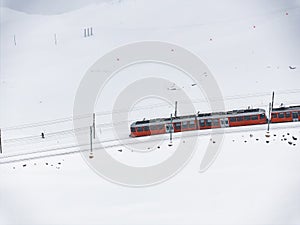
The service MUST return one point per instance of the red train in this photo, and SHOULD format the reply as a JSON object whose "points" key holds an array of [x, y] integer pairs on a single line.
{"points": [[203, 121]]}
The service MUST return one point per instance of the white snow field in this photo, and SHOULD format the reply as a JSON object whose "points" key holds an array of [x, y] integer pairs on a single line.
{"points": [[250, 48]]}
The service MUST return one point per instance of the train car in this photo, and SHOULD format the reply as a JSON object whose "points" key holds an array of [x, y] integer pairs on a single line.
{"points": [[148, 127], [232, 118], [247, 117], [285, 114], [198, 122]]}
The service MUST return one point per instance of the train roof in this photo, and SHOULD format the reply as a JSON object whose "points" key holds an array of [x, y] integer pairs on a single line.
{"points": [[233, 112], [289, 108], [214, 115]]}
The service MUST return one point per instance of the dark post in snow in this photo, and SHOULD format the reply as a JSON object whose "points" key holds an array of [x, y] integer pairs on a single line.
{"points": [[94, 125], [55, 39], [176, 109], [15, 41], [84, 32], [91, 143], [91, 31], [0, 143]]}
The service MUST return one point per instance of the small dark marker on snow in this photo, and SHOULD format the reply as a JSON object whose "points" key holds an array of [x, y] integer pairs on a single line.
{"points": [[24, 165]]}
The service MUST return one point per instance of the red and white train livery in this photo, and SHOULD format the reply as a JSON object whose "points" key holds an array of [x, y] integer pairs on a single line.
{"points": [[203, 121]]}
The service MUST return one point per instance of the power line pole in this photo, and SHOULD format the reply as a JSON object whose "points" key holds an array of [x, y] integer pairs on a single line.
{"points": [[176, 109], [271, 104], [171, 130], [15, 41], [91, 143], [55, 39], [94, 125]]}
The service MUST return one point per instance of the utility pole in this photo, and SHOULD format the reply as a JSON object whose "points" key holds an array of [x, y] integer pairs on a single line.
{"points": [[271, 104], [94, 125], [91, 143], [175, 109], [171, 130], [55, 39], [0, 143]]}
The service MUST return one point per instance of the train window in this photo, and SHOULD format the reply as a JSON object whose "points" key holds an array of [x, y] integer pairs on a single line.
{"points": [[262, 116], [146, 128], [299, 113], [274, 115], [208, 123], [160, 127], [178, 126], [132, 129], [215, 122], [192, 124], [184, 124], [247, 117], [139, 129], [287, 115], [254, 117], [232, 119], [281, 115], [202, 122], [240, 118], [153, 127]]}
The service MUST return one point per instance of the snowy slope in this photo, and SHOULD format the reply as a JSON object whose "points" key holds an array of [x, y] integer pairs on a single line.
{"points": [[248, 46]]}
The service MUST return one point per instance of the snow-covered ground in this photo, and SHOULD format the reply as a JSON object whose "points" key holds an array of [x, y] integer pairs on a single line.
{"points": [[247, 45]]}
